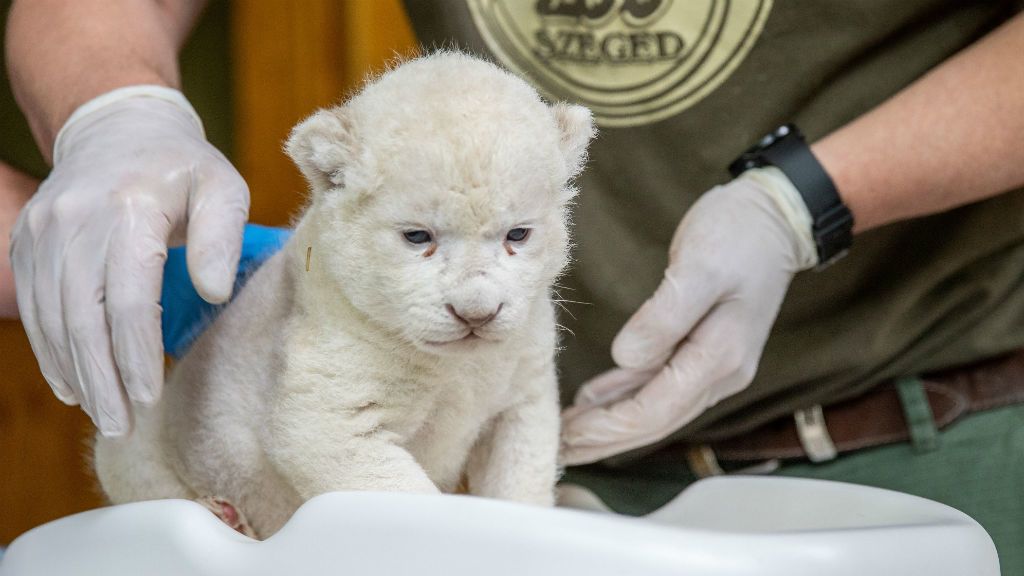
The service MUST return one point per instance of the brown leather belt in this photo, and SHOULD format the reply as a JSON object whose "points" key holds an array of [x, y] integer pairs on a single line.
{"points": [[877, 417]]}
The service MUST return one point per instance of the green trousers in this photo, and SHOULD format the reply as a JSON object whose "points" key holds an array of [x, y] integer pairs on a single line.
{"points": [[975, 465]]}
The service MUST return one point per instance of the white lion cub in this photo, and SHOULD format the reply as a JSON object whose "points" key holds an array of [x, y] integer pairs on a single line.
{"points": [[404, 339]]}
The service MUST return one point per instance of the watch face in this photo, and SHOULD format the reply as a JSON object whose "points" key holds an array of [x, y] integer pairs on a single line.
{"points": [[631, 62]]}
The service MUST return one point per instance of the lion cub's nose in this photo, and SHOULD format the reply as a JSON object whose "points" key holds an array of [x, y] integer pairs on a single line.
{"points": [[474, 318]]}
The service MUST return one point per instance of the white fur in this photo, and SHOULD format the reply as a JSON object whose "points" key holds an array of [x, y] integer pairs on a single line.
{"points": [[333, 378]]}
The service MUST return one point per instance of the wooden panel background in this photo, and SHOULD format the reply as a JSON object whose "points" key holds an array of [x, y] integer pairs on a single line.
{"points": [[288, 59], [291, 62]]}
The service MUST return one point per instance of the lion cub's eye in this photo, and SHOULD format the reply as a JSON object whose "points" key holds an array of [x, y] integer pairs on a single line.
{"points": [[517, 234], [417, 236]]}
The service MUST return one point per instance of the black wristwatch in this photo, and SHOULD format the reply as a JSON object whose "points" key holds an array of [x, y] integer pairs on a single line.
{"points": [[786, 149]]}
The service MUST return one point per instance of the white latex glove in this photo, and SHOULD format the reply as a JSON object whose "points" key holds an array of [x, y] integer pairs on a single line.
{"points": [[132, 170], [699, 338]]}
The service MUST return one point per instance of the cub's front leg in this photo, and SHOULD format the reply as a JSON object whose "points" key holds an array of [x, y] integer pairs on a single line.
{"points": [[321, 439], [516, 457]]}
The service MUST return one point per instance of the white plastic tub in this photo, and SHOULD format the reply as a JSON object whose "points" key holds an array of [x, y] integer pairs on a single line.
{"points": [[725, 526]]}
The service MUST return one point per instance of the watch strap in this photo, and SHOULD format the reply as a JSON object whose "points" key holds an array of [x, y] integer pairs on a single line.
{"points": [[786, 149]]}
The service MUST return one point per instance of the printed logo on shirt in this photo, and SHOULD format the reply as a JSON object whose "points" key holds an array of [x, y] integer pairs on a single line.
{"points": [[632, 62]]}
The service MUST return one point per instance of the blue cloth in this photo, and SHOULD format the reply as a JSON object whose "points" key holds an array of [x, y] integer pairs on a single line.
{"points": [[185, 314]]}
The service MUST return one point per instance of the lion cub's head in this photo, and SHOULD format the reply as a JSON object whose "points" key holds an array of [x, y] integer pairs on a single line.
{"points": [[440, 197]]}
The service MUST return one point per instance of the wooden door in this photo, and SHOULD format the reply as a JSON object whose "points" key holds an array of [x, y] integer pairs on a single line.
{"points": [[290, 62]]}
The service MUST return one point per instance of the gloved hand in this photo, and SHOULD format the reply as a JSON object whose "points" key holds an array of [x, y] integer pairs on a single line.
{"points": [[132, 172], [699, 338], [185, 313]]}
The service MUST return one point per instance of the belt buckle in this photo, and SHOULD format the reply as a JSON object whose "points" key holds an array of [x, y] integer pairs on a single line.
{"points": [[703, 462]]}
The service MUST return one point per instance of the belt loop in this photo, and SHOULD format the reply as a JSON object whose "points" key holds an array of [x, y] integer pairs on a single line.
{"points": [[813, 433], [920, 422]]}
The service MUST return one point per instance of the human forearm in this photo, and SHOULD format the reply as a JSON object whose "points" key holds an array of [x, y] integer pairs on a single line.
{"points": [[951, 138], [61, 54], [15, 190]]}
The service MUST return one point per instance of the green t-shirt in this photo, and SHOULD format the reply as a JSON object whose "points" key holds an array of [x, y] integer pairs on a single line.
{"points": [[679, 89]]}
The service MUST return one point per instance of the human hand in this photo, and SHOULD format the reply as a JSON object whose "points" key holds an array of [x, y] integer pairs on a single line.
{"points": [[132, 172], [699, 338]]}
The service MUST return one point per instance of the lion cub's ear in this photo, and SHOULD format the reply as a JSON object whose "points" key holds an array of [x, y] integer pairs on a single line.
{"points": [[576, 125], [323, 146]]}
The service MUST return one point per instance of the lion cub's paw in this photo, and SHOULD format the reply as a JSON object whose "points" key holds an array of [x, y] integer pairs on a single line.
{"points": [[228, 514]]}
